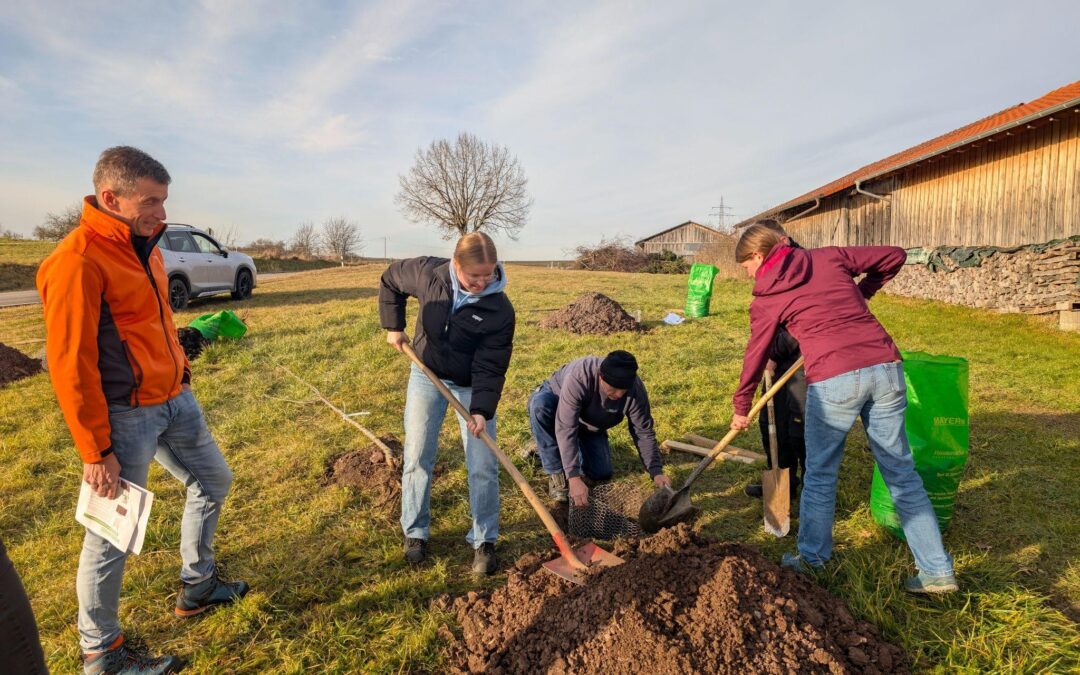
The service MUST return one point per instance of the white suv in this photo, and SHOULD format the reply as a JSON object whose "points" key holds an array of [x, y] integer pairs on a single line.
{"points": [[198, 266]]}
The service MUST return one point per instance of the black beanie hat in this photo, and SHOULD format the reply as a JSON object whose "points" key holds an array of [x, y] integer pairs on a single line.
{"points": [[619, 369]]}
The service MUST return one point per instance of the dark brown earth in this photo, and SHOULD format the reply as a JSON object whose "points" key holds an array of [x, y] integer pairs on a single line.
{"points": [[680, 604], [367, 471], [591, 313], [192, 341], [14, 365]]}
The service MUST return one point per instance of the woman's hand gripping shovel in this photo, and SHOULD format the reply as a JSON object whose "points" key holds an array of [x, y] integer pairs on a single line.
{"points": [[665, 507], [572, 563]]}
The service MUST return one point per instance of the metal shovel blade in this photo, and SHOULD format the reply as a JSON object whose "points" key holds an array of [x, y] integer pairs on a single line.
{"points": [[776, 499], [590, 554], [665, 508]]}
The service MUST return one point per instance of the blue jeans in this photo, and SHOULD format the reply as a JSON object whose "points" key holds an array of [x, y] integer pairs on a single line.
{"points": [[878, 395], [425, 410], [175, 434], [595, 451]]}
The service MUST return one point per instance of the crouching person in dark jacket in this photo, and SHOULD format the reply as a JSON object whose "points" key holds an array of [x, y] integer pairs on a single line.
{"points": [[464, 333], [570, 413]]}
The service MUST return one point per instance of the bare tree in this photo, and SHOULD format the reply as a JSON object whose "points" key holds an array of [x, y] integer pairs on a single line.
{"points": [[305, 241], [9, 234], [57, 225], [340, 237], [225, 236], [466, 186]]}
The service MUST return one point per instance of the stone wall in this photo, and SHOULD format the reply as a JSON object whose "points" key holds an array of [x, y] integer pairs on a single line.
{"points": [[1026, 280]]}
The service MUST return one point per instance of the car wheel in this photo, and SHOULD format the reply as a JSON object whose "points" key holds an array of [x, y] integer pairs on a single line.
{"points": [[178, 294], [243, 285]]}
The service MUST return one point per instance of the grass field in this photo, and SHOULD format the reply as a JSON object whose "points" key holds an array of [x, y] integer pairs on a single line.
{"points": [[330, 591], [19, 260]]}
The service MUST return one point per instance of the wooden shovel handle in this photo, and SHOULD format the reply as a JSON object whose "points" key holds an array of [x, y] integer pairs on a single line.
{"points": [[549, 522], [730, 436]]}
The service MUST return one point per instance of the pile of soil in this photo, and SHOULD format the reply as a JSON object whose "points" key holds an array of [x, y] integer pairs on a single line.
{"points": [[679, 604], [192, 341], [593, 314], [367, 471], [14, 365]]}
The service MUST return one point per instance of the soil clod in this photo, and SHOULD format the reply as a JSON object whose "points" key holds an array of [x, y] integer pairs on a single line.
{"points": [[14, 365], [679, 604], [192, 341], [367, 471], [592, 314]]}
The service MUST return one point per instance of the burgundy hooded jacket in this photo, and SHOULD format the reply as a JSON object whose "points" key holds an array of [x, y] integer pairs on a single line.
{"points": [[813, 293]]}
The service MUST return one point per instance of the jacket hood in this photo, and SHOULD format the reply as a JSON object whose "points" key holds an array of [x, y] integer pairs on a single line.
{"points": [[462, 297], [785, 268]]}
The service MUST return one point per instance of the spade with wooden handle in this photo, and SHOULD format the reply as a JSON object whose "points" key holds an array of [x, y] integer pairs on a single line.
{"points": [[775, 488]]}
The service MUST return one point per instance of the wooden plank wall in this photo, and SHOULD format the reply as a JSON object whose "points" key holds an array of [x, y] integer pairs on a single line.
{"points": [[1021, 189], [684, 240]]}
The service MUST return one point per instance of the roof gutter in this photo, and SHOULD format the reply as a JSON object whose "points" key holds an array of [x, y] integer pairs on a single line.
{"points": [[817, 204], [858, 188], [986, 134]]}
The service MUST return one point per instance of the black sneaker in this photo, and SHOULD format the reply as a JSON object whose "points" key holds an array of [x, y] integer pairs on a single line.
{"points": [[558, 488], [415, 550], [484, 561], [754, 490], [129, 659], [194, 599]]}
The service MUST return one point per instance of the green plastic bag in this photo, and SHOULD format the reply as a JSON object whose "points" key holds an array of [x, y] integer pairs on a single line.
{"points": [[937, 431], [221, 324], [699, 290]]}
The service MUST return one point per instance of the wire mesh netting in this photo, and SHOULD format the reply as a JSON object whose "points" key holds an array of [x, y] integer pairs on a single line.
{"points": [[611, 512]]}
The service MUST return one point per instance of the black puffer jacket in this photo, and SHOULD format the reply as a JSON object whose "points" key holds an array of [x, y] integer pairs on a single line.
{"points": [[470, 347]]}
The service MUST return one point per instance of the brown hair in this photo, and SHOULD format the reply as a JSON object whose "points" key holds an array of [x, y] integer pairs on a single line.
{"points": [[760, 237], [120, 167], [475, 248]]}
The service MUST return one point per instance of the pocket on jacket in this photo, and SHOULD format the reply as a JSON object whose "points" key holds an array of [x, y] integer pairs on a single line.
{"points": [[841, 389]]}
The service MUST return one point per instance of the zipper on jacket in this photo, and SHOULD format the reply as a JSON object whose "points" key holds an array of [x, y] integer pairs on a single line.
{"points": [[161, 315], [136, 370]]}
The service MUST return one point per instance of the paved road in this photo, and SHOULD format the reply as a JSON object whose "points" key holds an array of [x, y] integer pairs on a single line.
{"points": [[19, 298]]}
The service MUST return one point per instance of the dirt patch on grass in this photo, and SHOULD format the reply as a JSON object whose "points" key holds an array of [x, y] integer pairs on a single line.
{"points": [[14, 365], [593, 314], [366, 470], [192, 342], [680, 604]]}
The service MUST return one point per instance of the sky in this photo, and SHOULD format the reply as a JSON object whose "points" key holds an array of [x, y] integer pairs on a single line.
{"points": [[626, 117]]}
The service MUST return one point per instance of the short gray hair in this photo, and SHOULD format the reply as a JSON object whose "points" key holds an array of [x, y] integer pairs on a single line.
{"points": [[118, 168]]}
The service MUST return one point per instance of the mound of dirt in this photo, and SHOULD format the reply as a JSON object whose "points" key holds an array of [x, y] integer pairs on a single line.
{"points": [[367, 471], [680, 604], [593, 314], [192, 341], [14, 365]]}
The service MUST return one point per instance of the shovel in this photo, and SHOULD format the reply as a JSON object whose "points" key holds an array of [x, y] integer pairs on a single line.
{"points": [[775, 491], [572, 563], [665, 507]]}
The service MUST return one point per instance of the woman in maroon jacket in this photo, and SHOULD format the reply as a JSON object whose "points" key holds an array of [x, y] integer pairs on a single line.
{"points": [[853, 369]]}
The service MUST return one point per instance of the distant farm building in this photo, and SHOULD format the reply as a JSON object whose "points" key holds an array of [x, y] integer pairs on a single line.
{"points": [[685, 240], [1008, 179]]}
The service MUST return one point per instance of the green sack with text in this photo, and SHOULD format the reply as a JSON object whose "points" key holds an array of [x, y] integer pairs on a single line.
{"points": [[937, 431], [699, 290]]}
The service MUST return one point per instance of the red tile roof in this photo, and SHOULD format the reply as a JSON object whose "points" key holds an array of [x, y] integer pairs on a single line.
{"points": [[1023, 112]]}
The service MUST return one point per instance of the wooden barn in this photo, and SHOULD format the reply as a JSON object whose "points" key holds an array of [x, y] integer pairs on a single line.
{"points": [[1011, 178], [685, 239]]}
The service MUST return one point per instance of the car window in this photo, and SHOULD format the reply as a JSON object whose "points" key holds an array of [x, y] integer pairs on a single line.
{"points": [[181, 242], [205, 244]]}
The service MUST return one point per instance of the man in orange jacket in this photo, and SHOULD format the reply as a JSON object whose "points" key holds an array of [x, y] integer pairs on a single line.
{"points": [[124, 386]]}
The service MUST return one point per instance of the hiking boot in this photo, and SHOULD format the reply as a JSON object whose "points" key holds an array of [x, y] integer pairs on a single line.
{"points": [[794, 561], [194, 599], [558, 488], [927, 585], [415, 550], [484, 561], [754, 490], [128, 659]]}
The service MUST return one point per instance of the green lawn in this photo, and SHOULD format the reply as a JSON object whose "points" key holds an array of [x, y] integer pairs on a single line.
{"points": [[330, 591], [19, 260]]}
